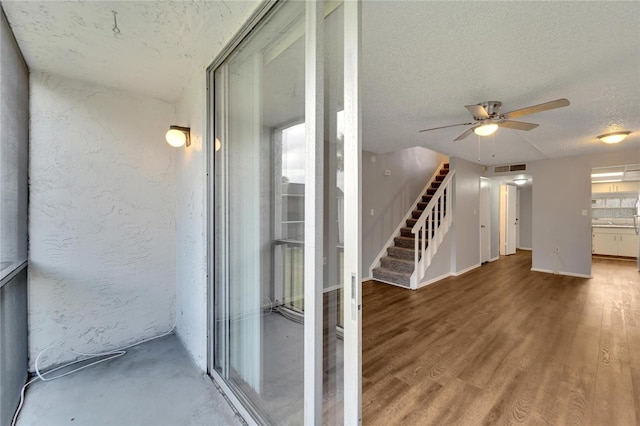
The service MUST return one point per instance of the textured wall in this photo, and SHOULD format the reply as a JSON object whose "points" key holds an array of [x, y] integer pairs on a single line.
{"points": [[191, 254], [102, 217]]}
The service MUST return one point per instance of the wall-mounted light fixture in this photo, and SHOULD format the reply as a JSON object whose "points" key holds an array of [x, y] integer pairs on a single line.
{"points": [[613, 137], [486, 129], [177, 136], [520, 181]]}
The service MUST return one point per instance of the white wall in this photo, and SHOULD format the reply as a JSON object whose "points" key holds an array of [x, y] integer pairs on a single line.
{"points": [[391, 196], [101, 218], [525, 218], [191, 253], [466, 220], [561, 191]]}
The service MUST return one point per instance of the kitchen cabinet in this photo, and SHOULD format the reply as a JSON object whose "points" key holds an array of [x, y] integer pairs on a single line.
{"points": [[612, 187], [615, 242]]}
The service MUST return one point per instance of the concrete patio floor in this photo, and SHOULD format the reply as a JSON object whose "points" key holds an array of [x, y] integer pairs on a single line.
{"points": [[155, 383]]}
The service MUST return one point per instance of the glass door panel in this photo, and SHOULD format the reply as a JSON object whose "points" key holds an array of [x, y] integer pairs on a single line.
{"points": [[264, 188], [333, 351], [259, 88]]}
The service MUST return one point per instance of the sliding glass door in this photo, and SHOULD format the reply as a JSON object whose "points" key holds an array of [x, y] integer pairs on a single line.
{"points": [[281, 150]]}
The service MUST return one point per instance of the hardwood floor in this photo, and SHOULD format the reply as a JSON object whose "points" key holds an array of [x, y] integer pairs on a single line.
{"points": [[504, 345]]}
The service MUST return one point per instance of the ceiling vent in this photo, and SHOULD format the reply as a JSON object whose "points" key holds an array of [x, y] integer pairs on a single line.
{"points": [[511, 168]]}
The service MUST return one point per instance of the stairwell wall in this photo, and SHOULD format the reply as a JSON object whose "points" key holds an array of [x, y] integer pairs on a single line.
{"points": [[390, 196]]}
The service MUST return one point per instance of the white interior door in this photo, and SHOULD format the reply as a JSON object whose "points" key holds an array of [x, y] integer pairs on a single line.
{"points": [[507, 219], [485, 220]]}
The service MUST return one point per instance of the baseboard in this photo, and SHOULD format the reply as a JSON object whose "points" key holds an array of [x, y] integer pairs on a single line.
{"points": [[366, 279], [464, 271], [525, 248], [567, 274], [494, 259], [433, 280]]}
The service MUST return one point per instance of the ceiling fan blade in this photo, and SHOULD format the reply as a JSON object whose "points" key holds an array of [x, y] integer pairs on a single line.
{"points": [[558, 103], [444, 127], [477, 111], [465, 134], [518, 125]]}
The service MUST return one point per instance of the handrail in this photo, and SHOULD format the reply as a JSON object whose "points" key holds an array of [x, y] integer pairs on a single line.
{"points": [[402, 223], [425, 233], [435, 196]]}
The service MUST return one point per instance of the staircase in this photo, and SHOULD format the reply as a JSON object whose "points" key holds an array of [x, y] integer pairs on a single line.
{"points": [[404, 259]]}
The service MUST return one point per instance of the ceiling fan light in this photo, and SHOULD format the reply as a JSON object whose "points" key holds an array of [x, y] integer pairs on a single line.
{"points": [[613, 137], [486, 129]]}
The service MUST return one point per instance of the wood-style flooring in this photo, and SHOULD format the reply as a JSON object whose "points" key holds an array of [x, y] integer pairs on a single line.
{"points": [[504, 345]]}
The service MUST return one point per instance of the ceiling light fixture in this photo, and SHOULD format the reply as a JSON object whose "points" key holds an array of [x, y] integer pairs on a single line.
{"points": [[177, 136], [520, 181], [613, 137], [485, 129], [609, 174]]}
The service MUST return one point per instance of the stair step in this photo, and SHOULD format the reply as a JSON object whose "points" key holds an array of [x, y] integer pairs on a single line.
{"points": [[410, 223], [406, 232], [440, 177], [392, 276], [398, 265], [426, 198], [400, 252], [406, 242], [423, 205], [445, 166]]}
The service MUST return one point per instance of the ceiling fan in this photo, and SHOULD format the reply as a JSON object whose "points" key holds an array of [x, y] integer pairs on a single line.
{"points": [[487, 117]]}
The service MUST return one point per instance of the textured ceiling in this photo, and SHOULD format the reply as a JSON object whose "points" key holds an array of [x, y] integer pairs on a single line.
{"points": [[159, 46], [422, 61]]}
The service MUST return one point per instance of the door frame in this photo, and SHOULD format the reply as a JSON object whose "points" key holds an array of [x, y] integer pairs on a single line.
{"points": [[314, 116]]}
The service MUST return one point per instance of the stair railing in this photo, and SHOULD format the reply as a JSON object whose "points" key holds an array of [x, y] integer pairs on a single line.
{"points": [[396, 232], [429, 230]]}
